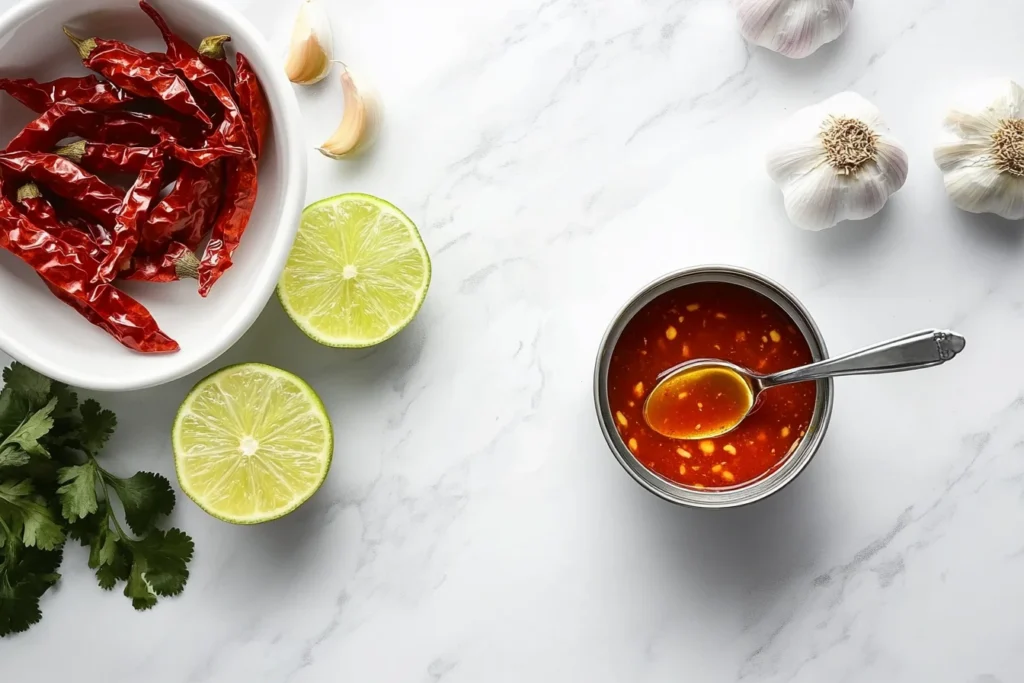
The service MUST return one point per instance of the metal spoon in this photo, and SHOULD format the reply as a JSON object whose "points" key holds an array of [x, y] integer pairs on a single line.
{"points": [[739, 390]]}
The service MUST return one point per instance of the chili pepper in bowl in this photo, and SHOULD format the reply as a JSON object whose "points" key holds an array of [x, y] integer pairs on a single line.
{"points": [[68, 271], [64, 120], [87, 91], [241, 182], [177, 263], [211, 49], [188, 62], [62, 177], [187, 212], [252, 102], [112, 157], [139, 73], [133, 209], [42, 214]]}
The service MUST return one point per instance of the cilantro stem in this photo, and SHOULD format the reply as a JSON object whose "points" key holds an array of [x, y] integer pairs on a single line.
{"points": [[106, 495]]}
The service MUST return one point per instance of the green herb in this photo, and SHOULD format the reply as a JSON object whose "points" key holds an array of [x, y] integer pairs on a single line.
{"points": [[52, 487]]}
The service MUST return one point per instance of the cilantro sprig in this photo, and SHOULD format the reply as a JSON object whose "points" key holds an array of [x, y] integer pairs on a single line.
{"points": [[53, 487]]}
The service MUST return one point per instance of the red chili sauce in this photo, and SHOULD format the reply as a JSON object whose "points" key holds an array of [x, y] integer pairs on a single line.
{"points": [[718, 321]]}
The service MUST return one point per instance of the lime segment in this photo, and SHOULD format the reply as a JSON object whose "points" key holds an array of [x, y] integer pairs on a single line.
{"points": [[358, 272], [251, 443]]}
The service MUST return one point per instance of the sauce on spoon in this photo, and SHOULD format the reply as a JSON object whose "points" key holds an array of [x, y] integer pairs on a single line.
{"points": [[699, 403]]}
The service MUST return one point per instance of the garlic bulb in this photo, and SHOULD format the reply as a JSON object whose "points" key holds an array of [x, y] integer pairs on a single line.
{"points": [[312, 45], [836, 161], [795, 28], [359, 122], [981, 150]]}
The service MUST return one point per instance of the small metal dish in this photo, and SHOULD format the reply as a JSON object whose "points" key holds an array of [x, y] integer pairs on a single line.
{"points": [[749, 492]]}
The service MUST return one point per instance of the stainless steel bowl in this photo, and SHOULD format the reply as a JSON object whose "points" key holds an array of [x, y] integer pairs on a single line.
{"points": [[752, 491]]}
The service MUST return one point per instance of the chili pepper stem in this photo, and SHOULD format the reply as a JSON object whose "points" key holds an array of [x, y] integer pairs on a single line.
{"points": [[85, 46], [213, 46], [28, 191], [74, 152], [187, 266]]}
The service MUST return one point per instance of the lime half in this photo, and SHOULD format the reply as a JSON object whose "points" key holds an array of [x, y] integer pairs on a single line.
{"points": [[358, 272], [251, 443]]}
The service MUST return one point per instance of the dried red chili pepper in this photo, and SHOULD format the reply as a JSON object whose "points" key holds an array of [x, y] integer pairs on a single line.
{"points": [[64, 120], [138, 73], [82, 90], [111, 157], [71, 216], [68, 270], [43, 215], [62, 177], [188, 62], [133, 210], [252, 102], [235, 211], [187, 212], [240, 185], [105, 157], [177, 263], [211, 49]]}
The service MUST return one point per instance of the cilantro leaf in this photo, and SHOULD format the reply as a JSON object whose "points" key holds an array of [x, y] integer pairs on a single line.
{"points": [[24, 514], [142, 596], [159, 567], [165, 556], [96, 428], [12, 457], [78, 493], [25, 574], [144, 497], [41, 529], [28, 384], [67, 401], [12, 410], [26, 436], [110, 557]]}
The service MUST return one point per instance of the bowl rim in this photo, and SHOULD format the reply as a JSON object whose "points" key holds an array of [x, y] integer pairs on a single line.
{"points": [[287, 122], [758, 489]]}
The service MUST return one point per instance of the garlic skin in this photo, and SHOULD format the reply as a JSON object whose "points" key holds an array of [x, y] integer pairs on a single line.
{"points": [[836, 161], [794, 28], [981, 149], [360, 121], [311, 51]]}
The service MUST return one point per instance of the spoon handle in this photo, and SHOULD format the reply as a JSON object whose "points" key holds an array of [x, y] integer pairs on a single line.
{"points": [[919, 350]]}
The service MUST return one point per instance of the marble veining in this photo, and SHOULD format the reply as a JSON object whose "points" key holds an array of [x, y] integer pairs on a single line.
{"points": [[558, 155]]}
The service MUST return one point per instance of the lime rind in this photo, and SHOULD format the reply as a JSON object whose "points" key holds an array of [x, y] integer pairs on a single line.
{"points": [[358, 274], [203, 445]]}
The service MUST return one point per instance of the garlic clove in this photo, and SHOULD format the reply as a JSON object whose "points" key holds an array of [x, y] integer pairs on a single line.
{"points": [[794, 28], [893, 163], [981, 149], [986, 190], [836, 161], [360, 121], [312, 46], [813, 200]]}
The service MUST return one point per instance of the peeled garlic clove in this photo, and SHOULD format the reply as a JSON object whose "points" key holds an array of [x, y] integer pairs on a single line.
{"points": [[359, 123], [981, 149], [836, 161], [794, 28], [312, 45]]}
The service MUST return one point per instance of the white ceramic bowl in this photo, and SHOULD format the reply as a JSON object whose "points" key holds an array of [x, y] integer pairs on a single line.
{"points": [[42, 332]]}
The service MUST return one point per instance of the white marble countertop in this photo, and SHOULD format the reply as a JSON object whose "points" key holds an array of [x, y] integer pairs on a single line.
{"points": [[559, 154]]}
